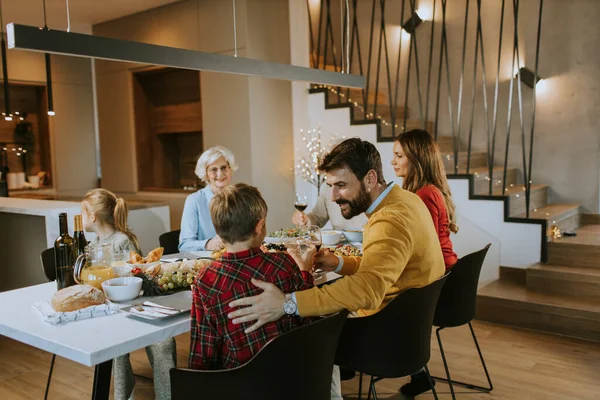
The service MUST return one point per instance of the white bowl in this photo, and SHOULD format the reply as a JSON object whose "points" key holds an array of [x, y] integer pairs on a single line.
{"points": [[354, 235], [330, 238], [122, 289], [122, 271]]}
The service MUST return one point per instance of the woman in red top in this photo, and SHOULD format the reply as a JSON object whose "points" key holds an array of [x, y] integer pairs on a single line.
{"points": [[418, 161]]}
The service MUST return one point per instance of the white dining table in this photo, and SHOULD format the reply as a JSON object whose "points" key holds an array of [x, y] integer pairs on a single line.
{"points": [[91, 342]]}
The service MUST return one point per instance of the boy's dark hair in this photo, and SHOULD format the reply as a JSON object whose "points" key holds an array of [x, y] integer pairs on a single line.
{"points": [[236, 210], [358, 155]]}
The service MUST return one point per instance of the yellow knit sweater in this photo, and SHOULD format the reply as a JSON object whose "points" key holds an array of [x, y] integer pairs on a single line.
{"points": [[401, 249]]}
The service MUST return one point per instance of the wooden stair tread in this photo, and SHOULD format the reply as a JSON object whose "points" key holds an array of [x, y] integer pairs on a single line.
{"points": [[517, 189], [518, 293], [566, 271], [587, 235], [552, 211]]}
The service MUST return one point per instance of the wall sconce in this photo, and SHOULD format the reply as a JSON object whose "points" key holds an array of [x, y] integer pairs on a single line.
{"points": [[411, 24], [528, 77]]}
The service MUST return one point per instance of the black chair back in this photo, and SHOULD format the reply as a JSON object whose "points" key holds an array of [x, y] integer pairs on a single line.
{"points": [[49, 264], [394, 342], [303, 355], [456, 305], [170, 241]]}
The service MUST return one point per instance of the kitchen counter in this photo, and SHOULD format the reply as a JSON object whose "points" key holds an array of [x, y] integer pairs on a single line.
{"points": [[29, 226]]}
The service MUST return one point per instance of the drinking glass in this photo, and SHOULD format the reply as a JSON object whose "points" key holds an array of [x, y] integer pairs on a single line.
{"points": [[301, 203], [311, 235]]}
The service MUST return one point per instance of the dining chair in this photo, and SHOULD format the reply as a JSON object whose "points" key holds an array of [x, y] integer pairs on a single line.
{"points": [[394, 342], [49, 266], [170, 241], [456, 307], [294, 366]]}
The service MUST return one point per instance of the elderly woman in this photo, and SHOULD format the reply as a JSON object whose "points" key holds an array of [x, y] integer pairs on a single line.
{"points": [[215, 167]]}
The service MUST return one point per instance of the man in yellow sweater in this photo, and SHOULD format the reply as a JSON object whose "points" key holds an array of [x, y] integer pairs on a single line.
{"points": [[400, 246]]}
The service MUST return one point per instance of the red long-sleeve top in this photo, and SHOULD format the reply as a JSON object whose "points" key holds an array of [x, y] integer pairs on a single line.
{"points": [[434, 200]]}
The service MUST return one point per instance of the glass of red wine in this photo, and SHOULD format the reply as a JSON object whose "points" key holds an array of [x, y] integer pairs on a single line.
{"points": [[310, 235], [301, 203]]}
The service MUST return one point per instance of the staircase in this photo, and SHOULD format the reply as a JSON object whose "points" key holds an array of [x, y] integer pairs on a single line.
{"points": [[561, 296]]}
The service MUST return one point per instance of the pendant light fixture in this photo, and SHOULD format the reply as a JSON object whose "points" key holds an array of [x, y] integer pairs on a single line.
{"points": [[30, 38], [7, 114], [48, 72]]}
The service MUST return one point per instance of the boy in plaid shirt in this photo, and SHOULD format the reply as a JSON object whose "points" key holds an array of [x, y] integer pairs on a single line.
{"points": [[239, 214]]}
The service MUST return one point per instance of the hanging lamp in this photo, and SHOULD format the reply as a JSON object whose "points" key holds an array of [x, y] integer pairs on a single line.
{"points": [[7, 113]]}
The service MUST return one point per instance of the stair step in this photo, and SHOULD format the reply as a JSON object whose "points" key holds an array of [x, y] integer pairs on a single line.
{"points": [[582, 250], [481, 175], [446, 144], [357, 95], [538, 198], [566, 216], [512, 303], [478, 159], [384, 111], [564, 280]]}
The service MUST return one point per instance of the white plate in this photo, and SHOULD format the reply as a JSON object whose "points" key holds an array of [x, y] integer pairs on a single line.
{"points": [[180, 301], [143, 266]]}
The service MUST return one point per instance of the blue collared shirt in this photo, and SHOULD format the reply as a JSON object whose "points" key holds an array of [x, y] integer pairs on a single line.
{"points": [[196, 226]]}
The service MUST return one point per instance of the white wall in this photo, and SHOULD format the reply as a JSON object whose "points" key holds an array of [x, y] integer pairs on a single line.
{"points": [[250, 116]]}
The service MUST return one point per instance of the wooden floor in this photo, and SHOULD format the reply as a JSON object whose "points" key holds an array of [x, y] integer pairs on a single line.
{"points": [[523, 365]]}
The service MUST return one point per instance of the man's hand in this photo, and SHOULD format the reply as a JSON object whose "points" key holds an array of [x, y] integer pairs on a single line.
{"points": [[214, 243], [299, 218], [266, 307], [325, 260], [304, 256]]}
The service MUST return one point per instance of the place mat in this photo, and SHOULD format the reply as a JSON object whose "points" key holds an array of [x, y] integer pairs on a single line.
{"points": [[51, 316], [180, 303]]}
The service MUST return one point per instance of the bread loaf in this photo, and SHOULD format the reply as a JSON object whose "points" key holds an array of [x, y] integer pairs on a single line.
{"points": [[77, 297]]}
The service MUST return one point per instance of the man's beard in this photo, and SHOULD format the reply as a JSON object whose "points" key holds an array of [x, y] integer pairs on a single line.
{"points": [[356, 206]]}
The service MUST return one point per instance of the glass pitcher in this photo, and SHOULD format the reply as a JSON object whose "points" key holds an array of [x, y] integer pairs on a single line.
{"points": [[94, 266]]}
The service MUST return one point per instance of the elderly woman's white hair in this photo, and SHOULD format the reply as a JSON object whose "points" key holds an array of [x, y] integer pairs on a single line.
{"points": [[210, 156]]}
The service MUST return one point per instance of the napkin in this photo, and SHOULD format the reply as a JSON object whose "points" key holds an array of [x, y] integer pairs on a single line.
{"points": [[49, 315]]}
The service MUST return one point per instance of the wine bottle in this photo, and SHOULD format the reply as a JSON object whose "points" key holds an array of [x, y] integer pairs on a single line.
{"points": [[64, 255], [79, 237]]}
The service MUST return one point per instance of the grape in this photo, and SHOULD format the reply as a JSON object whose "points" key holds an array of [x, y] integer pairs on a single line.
{"points": [[171, 285], [190, 280], [165, 287]]}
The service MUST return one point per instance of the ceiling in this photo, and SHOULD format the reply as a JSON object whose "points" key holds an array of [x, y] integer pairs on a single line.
{"points": [[84, 13]]}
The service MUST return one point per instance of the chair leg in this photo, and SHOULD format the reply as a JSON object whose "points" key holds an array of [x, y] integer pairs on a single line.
{"points": [[49, 376], [372, 388], [360, 378], [449, 380], [487, 375], [435, 396], [463, 384]]}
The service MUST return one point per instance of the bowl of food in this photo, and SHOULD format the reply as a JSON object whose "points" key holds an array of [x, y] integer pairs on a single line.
{"points": [[354, 235], [331, 237], [122, 289]]}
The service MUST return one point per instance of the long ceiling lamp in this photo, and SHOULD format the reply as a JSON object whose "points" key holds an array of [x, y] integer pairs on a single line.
{"points": [[7, 114], [48, 70], [80, 45]]}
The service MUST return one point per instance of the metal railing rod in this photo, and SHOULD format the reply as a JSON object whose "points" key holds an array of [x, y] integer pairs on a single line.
{"points": [[447, 62], [484, 80], [387, 59], [496, 93], [416, 51], [520, 93], [509, 119], [366, 93], [313, 53], [473, 97], [430, 64], [537, 60], [460, 89], [319, 35], [381, 28], [410, 51], [394, 104]]}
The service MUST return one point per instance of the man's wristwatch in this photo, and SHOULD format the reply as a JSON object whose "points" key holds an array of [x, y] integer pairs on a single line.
{"points": [[289, 307]]}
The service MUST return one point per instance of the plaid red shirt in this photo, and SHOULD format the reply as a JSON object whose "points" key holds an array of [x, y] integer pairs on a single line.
{"points": [[216, 343]]}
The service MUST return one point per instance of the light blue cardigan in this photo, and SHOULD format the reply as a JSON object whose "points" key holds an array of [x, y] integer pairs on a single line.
{"points": [[196, 226]]}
